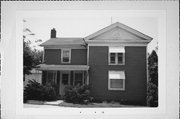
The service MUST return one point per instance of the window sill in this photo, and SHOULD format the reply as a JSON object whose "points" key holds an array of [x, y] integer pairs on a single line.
{"points": [[65, 62], [116, 64], [115, 89]]}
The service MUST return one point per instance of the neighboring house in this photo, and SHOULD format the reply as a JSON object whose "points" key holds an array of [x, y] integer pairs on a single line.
{"points": [[112, 61], [35, 75]]}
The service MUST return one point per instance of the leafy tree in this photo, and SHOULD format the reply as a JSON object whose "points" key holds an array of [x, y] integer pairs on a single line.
{"points": [[37, 56], [28, 58], [31, 57], [152, 95]]}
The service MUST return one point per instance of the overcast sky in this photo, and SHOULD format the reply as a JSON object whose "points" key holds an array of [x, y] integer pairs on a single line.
{"points": [[75, 25]]}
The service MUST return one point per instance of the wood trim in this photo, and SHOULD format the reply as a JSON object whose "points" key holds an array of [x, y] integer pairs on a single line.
{"points": [[64, 46], [117, 44]]}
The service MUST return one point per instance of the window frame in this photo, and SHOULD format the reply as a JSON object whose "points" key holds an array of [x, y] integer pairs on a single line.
{"points": [[69, 77], [74, 73], [109, 82], [116, 58], [66, 49], [54, 79]]}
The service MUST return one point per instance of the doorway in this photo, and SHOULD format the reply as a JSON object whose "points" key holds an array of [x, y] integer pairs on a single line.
{"points": [[64, 81]]}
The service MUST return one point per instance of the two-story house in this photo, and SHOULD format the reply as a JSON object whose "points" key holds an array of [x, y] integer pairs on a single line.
{"points": [[112, 61]]}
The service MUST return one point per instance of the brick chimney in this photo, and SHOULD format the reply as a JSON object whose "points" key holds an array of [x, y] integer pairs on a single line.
{"points": [[53, 33]]}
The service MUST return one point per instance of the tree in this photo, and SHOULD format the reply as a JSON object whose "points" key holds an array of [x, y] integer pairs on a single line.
{"points": [[152, 95], [31, 57], [27, 59], [37, 56]]}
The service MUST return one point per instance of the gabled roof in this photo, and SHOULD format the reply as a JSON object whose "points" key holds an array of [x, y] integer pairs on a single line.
{"points": [[117, 24], [63, 41], [82, 41]]}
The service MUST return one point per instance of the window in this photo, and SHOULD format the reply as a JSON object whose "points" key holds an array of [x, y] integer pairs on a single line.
{"points": [[78, 78], [65, 78], [116, 55], [51, 77], [65, 55], [120, 58], [116, 80], [112, 58]]}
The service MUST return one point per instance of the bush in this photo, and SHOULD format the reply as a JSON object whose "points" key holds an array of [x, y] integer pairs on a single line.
{"points": [[36, 91], [77, 94], [48, 93]]}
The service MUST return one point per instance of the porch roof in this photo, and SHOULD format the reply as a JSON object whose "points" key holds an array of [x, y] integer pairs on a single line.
{"points": [[63, 67]]}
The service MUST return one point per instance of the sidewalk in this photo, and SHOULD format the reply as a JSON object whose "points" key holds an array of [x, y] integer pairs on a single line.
{"points": [[41, 104]]}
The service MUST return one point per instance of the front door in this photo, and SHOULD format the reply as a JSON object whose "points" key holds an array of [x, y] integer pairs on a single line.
{"points": [[64, 81]]}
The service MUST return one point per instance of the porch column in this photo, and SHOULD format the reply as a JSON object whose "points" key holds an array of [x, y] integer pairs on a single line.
{"points": [[87, 77]]}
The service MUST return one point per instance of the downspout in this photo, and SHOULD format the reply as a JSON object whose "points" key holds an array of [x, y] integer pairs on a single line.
{"points": [[87, 71]]}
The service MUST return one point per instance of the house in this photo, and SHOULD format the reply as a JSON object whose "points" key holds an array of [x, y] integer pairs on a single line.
{"points": [[35, 75], [112, 61]]}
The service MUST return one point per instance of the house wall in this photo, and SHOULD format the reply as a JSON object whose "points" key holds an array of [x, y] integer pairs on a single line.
{"points": [[135, 73], [78, 57], [34, 76]]}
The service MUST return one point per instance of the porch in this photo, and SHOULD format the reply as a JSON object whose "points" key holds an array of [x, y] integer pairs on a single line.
{"points": [[60, 76]]}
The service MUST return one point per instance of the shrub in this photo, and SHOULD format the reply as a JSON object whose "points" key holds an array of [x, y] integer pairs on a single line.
{"points": [[36, 91], [77, 94], [48, 93]]}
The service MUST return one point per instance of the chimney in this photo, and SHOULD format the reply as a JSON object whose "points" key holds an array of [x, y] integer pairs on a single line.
{"points": [[53, 33]]}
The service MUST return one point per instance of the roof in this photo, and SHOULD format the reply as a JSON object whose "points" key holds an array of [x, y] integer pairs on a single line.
{"points": [[63, 41], [81, 41], [117, 24], [63, 67]]}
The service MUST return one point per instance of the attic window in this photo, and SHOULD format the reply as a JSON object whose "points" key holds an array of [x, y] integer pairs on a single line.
{"points": [[116, 56], [65, 55]]}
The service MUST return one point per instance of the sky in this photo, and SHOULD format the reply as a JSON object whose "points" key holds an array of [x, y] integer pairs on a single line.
{"points": [[76, 25]]}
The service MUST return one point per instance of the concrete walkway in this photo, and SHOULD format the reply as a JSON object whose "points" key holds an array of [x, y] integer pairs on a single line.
{"points": [[41, 104]]}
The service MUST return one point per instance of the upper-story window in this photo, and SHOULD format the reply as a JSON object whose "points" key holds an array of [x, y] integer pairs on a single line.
{"points": [[116, 56], [65, 55]]}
